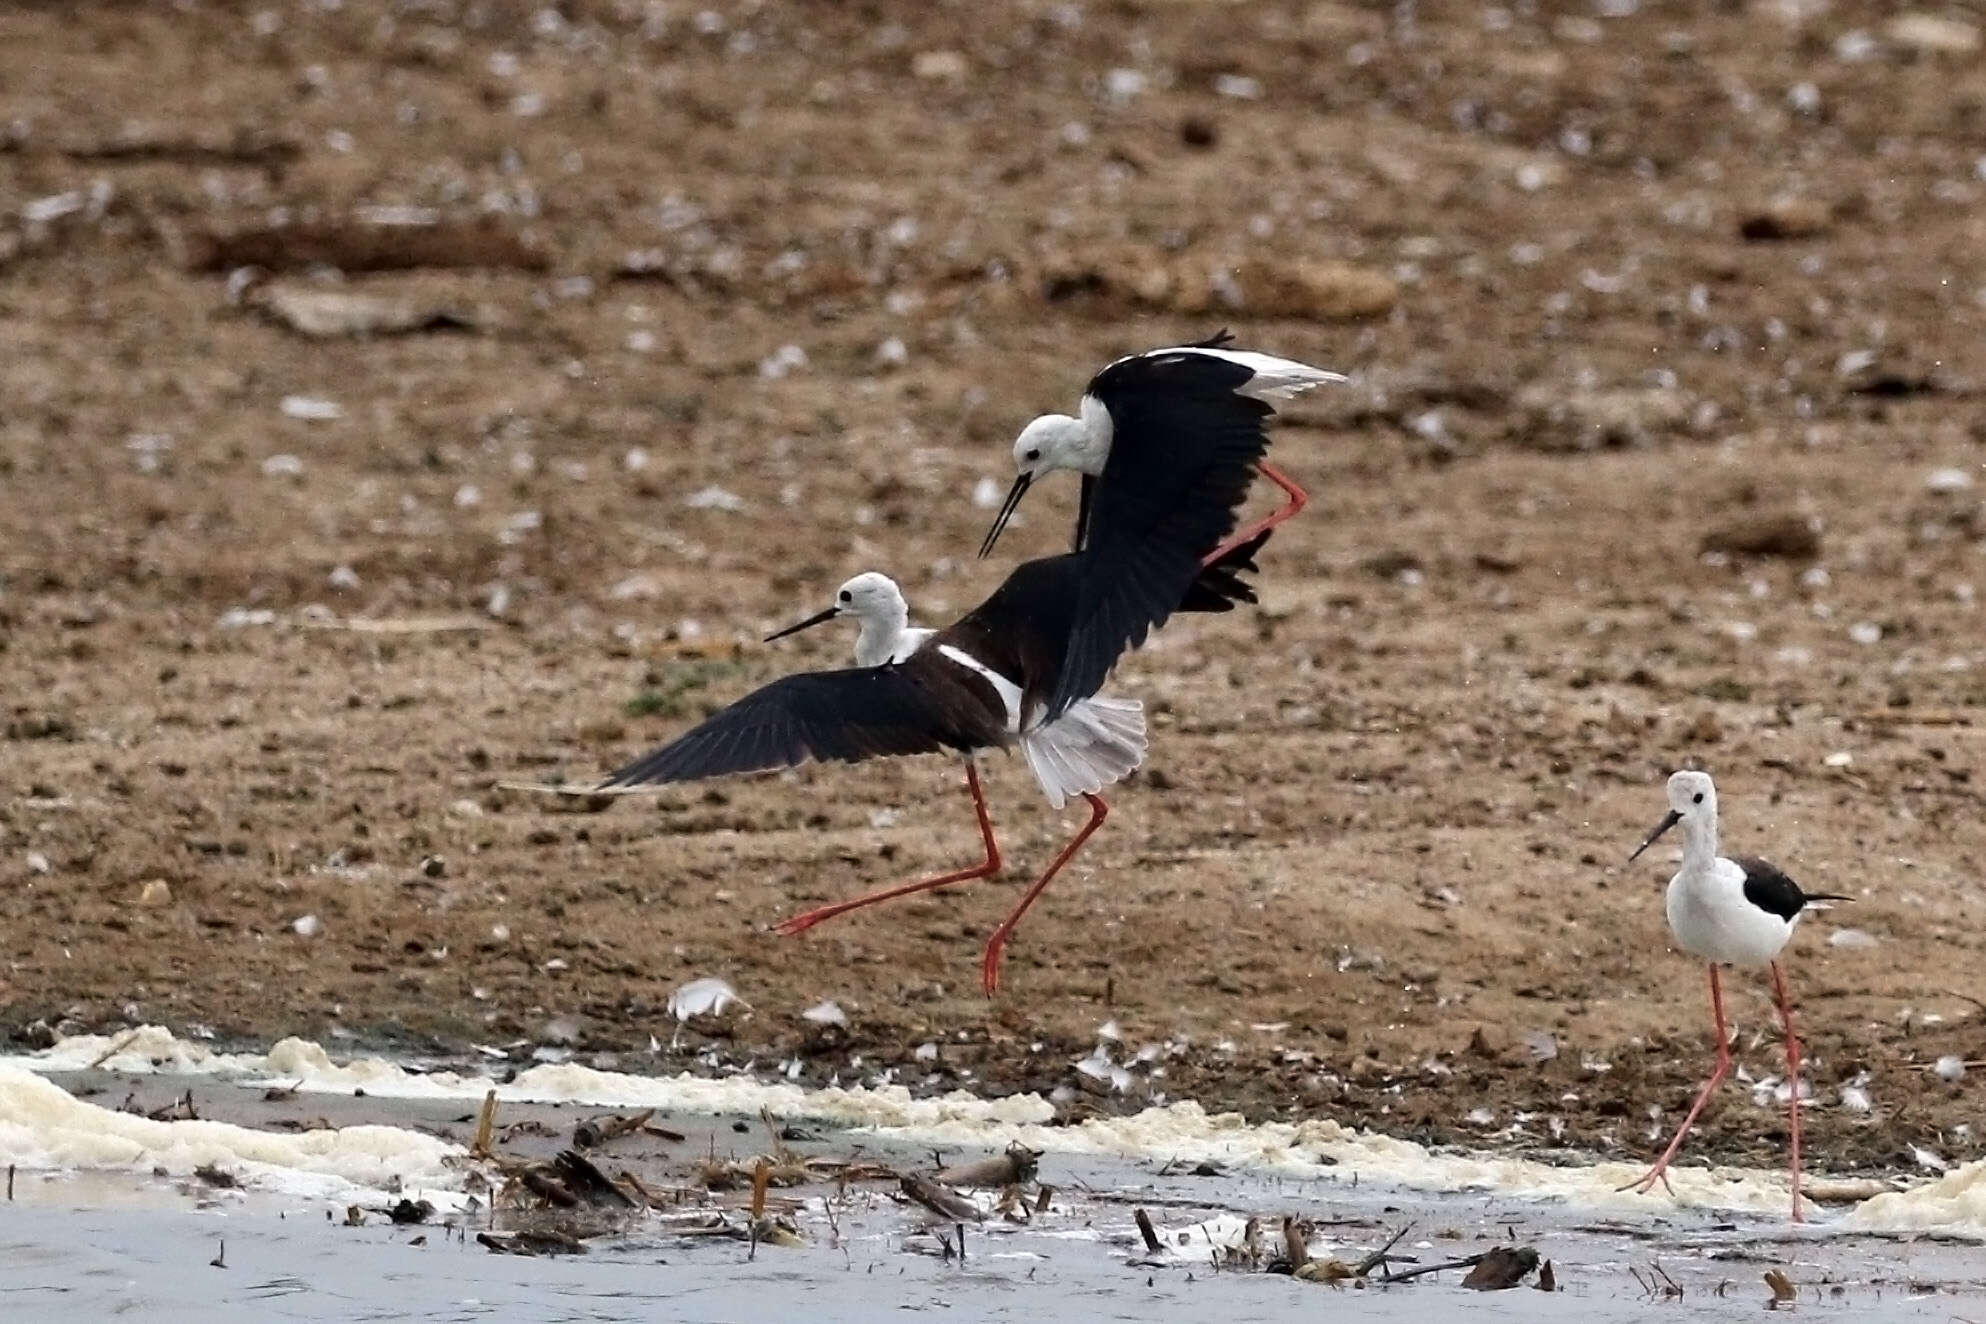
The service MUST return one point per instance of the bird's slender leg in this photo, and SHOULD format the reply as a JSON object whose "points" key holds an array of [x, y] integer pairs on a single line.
{"points": [[1792, 1078], [989, 970], [1660, 1172], [985, 869], [1298, 499]]}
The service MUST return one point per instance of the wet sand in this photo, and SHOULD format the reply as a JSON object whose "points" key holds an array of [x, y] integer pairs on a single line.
{"points": [[97, 1245]]}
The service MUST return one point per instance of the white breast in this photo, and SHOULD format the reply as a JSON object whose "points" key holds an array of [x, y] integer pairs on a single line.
{"points": [[909, 642], [1713, 922]]}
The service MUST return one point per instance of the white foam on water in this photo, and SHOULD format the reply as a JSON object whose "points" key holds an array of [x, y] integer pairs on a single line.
{"points": [[44, 1126], [1180, 1132], [1955, 1202]]}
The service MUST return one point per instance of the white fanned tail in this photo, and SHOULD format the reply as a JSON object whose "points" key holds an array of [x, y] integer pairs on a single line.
{"points": [[1096, 742], [1274, 379]]}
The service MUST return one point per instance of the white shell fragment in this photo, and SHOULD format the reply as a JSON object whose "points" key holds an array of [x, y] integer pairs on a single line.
{"points": [[703, 997], [825, 1013]]}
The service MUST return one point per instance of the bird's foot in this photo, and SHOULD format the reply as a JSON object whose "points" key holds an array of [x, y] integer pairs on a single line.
{"points": [[1645, 1185], [989, 967], [787, 928]]}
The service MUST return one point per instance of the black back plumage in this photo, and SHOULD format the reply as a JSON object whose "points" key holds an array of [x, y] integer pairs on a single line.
{"points": [[1768, 887], [1183, 452]]}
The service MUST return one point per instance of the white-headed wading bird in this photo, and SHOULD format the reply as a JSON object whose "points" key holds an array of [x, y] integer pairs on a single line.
{"points": [[1736, 911], [980, 683], [1167, 442]]}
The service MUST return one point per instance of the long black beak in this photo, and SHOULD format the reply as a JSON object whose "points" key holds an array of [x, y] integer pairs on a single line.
{"points": [[1669, 820], [1007, 508], [818, 618]]}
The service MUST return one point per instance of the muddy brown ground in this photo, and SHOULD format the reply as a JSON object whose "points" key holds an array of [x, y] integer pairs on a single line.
{"points": [[1608, 286]]}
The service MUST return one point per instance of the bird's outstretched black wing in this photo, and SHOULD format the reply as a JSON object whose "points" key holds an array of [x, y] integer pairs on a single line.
{"points": [[1220, 586], [923, 706], [1118, 378], [1183, 451], [1768, 887]]}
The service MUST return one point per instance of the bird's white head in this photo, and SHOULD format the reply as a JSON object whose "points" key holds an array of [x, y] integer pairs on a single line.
{"points": [[1055, 441], [1693, 803], [870, 596], [1051, 442], [1692, 794]]}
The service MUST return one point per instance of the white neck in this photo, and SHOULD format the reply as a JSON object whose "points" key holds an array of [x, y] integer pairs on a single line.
{"points": [[1093, 448], [877, 641], [1699, 841]]}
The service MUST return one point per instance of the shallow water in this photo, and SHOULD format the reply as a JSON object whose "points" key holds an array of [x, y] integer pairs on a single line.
{"points": [[94, 1231], [150, 1258]]}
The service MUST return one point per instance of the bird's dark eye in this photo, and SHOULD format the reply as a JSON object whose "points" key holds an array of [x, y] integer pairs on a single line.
{"points": [[1697, 798], [1034, 454], [846, 596]]}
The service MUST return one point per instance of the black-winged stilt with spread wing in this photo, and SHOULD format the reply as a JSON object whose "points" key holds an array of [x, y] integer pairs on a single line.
{"points": [[1167, 442], [980, 683]]}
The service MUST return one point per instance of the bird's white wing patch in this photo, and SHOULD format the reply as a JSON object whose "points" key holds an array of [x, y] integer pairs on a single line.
{"points": [[1274, 379], [1097, 742], [1010, 693]]}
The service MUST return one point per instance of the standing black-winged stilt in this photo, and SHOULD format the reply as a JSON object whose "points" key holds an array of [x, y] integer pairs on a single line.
{"points": [[1166, 442], [980, 683], [1736, 911]]}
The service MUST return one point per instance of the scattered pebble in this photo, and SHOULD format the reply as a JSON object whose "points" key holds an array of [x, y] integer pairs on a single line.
{"points": [[782, 361], [1768, 533], [714, 498], [307, 926], [1785, 217], [312, 409], [282, 466], [38, 863], [1947, 480], [1950, 1067], [1866, 632], [155, 894], [1931, 34], [939, 66], [1851, 939]]}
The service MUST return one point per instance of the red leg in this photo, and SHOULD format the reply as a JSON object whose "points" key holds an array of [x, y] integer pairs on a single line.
{"points": [[985, 869], [1298, 499], [989, 970], [1660, 1171], [1792, 1078]]}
